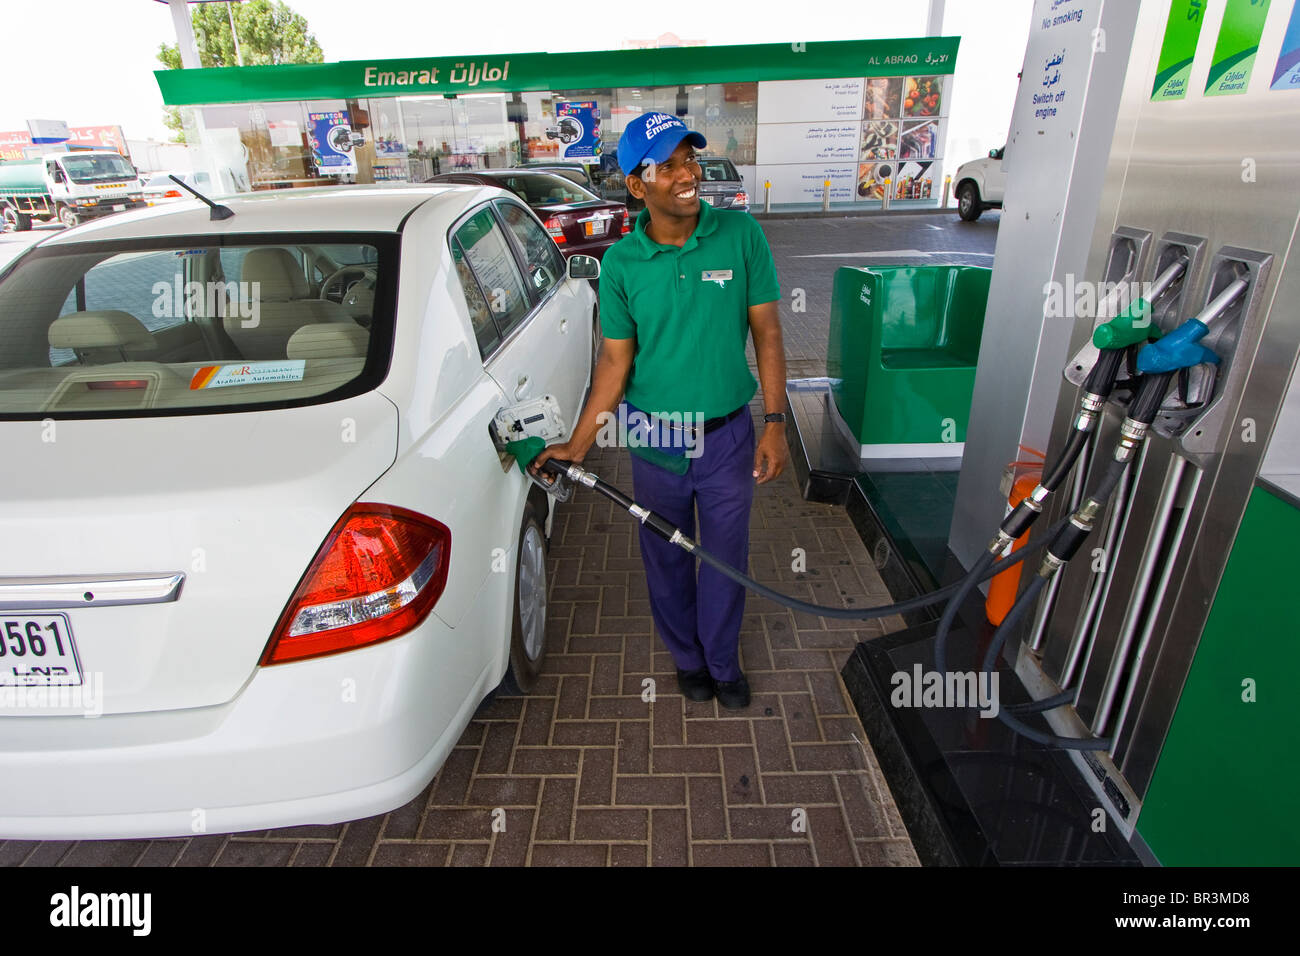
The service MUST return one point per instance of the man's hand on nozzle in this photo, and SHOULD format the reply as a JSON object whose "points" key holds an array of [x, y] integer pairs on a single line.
{"points": [[563, 452]]}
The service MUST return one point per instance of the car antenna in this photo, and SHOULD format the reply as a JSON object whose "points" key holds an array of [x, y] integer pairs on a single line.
{"points": [[218, 211]]}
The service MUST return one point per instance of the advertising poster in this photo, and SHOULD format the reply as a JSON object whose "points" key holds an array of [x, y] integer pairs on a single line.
{"points": [[1286, 75], [883, 98], [1236, 46], [577, 130], [923, 96], [919, 140], [879, 139], [390, 148], [871, 179], [331, 143], [1182, 30]]}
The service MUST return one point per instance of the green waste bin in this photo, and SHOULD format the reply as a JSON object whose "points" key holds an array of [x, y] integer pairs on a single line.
{"points": [[904, 341]]}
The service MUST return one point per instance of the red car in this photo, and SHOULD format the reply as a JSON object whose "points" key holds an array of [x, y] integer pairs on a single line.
{"points": [[578, 220]]}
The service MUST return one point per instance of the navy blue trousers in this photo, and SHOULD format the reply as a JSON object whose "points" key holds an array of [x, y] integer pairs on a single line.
{"points": [[698, 615]]}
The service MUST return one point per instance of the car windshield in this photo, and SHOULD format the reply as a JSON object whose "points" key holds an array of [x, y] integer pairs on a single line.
{"points": [[176, 326], [718, 170], [541, 189], [89, 169]]}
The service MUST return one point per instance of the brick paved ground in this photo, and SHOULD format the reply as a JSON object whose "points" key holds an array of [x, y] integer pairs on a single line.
{"points": [[585, 771]]}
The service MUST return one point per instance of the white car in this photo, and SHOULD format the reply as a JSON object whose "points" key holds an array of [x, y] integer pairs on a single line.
{"points": [[980, 184], [262, 558], [162, 189]]}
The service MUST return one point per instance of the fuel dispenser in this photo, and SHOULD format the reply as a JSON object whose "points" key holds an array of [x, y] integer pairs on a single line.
{"points": [[1135, 658]]}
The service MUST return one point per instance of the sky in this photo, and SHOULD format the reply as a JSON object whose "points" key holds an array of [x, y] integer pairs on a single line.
{"points": [[100, 70]]}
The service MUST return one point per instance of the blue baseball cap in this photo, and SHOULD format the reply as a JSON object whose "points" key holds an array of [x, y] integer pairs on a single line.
{"points": [[651, 138]]}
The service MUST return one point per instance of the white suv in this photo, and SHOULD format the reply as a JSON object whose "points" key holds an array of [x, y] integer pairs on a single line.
{"points": [[980, 185]]}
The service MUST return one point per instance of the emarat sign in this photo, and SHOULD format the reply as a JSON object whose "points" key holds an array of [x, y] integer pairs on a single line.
{"points": [[523, 72], [469, 76]]}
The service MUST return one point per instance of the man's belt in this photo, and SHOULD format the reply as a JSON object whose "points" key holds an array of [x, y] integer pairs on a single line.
{"points": [[710, 424]]}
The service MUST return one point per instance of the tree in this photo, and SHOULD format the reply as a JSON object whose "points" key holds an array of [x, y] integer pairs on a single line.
{"points": [[269, 33]]}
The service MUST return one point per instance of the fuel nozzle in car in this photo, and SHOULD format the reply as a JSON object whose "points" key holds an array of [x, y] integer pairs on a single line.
{"points": [[523, 430]]}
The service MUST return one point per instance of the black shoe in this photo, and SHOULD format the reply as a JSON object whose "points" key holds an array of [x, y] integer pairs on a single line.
{"points": [[695, 685], [732, 694]]}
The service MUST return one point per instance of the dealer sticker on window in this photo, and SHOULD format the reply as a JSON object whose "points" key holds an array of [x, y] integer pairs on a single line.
{"points": [[248, 373]]}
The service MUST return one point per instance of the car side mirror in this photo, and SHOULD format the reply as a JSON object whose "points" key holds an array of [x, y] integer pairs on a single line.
{"points": [[583, 267]]}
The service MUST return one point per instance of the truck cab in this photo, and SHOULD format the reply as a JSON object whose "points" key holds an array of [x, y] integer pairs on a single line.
{"points": [[71, 187]]}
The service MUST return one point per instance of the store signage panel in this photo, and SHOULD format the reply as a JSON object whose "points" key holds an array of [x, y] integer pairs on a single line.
{"points": [[804, 182], [669, 66], [808, 142], [802, 101]]}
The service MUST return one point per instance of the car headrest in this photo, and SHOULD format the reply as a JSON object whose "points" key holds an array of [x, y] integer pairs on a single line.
{"points": [[99, 330], [278, 273], [328, 340]]}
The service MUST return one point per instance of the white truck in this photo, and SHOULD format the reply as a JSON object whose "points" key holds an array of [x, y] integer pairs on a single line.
{"points": [[980, 185], [71, 187]]}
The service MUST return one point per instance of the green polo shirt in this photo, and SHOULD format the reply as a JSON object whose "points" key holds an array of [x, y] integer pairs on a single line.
{"points": [[687, 309]]}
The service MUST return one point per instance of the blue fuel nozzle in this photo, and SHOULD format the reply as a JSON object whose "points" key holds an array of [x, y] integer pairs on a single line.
{"points": [[1179, 349]]}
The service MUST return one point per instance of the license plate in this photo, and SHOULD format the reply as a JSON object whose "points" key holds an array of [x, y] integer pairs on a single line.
{"points": [[36, 650], [595, 227], [119, 207]]}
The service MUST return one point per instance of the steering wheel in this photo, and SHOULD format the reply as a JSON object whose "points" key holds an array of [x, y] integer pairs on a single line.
{"points": [[357, 298]]}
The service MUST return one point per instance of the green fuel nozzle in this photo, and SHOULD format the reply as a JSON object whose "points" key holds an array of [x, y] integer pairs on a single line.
{"points": [[1133, 326]]}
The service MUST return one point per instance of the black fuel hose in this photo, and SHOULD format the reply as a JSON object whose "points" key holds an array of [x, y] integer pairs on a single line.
{"points": [[1064, 545], [1026, 599], [672, 534]]}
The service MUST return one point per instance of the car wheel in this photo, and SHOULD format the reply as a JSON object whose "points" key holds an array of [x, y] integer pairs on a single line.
{"points": [[528, 631], [968, 202], [68, 216]]}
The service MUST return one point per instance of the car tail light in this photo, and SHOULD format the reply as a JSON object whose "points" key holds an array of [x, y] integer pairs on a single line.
{"points": [[172, 194], [555, 229], [627, 225], [378, 575], [740, 200]]}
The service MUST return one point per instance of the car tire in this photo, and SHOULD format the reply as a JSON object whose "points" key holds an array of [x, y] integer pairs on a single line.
{"points": [[68, 216], [528, 622], [968, 202]]}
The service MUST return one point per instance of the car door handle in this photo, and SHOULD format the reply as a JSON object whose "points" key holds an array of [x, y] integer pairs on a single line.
{"points": [[521, 387], [564, 326]]}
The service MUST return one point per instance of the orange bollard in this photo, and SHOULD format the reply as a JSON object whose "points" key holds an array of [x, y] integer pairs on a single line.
{"points": [[1004, 587]]}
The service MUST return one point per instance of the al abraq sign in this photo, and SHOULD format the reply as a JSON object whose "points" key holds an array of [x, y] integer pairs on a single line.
{"points": [[520, 72]]}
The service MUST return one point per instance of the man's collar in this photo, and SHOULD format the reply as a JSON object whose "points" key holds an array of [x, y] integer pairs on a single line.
{"points": [[647, 247]]}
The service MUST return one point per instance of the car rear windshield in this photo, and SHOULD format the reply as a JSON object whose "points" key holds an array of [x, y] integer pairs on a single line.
{"points": [[718, 170], [541, 189], [194, 325]]}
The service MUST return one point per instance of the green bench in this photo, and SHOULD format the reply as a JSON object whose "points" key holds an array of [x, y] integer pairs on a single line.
{"points": [[904, 341]]}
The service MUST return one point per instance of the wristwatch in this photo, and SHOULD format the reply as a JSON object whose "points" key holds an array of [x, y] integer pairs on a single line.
{"points": [[774, 417]]}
